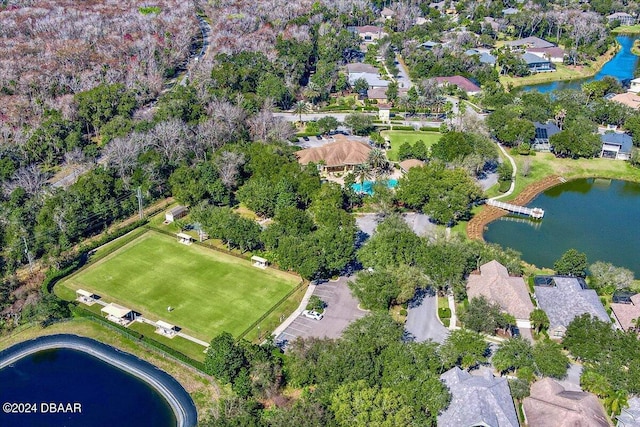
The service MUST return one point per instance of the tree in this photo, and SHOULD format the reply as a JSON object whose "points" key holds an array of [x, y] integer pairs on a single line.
{"points": [[358, 404], [463, 348], [571, 263], [539, 320], [360, 124], [513, 354], [606, 278], [549, 359], [519, 389], [327, 123], [483, 316], [300, 108], [378, 163], [615, 401], [360, 85], [224, 358], [452, 146]]}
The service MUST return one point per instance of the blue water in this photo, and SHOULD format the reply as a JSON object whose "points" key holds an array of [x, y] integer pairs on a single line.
{"points": [[621, 66], [367, 186], [598, 217], [106, 395]]}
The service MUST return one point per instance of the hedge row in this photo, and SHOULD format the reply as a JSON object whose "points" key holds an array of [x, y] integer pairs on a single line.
{"points": [[403, 127], [429, 129], [444, 313], [82, 312]]}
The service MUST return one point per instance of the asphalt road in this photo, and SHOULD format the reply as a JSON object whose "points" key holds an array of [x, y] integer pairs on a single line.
{"points": [[422, 321], [342, 309]]}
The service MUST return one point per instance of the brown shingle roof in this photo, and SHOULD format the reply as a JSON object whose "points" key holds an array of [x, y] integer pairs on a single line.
{"points": [[629, 99], [361, 67], [405, 165], [377, 93], [495, 284], [550, 405], [462, 82], [342, 152], [627, 313]]}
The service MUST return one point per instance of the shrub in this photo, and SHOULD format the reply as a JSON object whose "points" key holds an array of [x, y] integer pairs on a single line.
{"points": [[444, 313], [403, 312]]}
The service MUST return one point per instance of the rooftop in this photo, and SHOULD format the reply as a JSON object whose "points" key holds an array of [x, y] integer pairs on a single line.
{"points": [[567, 300], [372, 79], [622, 140], [377, 93], [495, 284], [531, 58], [549, 404], [361, 67], [629, 99], [462, 82], [545, 130], [116, 310], [405, 165], [477, 400], [532, 42], [342, 152], [627, 313]]}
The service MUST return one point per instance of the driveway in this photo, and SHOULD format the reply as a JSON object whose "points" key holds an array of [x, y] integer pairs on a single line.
{"points": [[404, 82], [422, 321], [342, 309], [572, 380]]}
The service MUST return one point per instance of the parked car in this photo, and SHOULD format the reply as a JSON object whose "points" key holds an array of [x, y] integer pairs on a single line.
{"points": [[319, 137], [306, 138], [312, 314]]}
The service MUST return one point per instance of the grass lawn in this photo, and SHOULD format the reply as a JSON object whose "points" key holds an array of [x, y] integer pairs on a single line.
{"points": [[627, 29], [210, 292], [399, 137]]}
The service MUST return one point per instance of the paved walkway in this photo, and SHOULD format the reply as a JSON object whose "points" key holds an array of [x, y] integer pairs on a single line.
{"points": [[303, 305]]}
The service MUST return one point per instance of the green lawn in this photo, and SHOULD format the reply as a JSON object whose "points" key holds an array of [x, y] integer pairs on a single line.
{"points": [[210, 292], [399, 137], [627, 29]]}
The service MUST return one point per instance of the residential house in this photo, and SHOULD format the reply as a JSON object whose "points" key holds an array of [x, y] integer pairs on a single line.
{"points": [[529, 43], [509, 11], [630, 416], [626, 311], [616, 145], [495, 25], [462, 83], [544, 131], [509, 292], [549, 404], [537, 64], [554, 54], [483, 55], [629, 99], [429, 45], [370, 33], [378, 94], [342, 155], [634, 85], [477, 401], [622, 17], [564, 298], [405, 165], [361, 67], [387, 14]]}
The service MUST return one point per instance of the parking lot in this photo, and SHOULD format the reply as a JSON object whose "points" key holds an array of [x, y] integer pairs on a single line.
{"points": [[342, 309]]}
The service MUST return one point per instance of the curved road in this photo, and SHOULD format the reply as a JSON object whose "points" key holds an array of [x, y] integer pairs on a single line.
{"points": [[181, 403]]}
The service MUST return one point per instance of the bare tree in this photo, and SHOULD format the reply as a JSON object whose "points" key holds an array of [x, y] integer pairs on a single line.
{"points": [[171, 139], [122, 153], [229, 164], [29, 178]]}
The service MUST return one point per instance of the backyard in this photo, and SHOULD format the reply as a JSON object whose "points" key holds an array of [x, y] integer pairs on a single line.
{"points": [[399, 137], [209, 291]]}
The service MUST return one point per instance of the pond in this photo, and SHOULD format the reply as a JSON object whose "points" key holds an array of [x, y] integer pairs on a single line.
{"points": [[621, 66], [596, 216], [69, 387]]}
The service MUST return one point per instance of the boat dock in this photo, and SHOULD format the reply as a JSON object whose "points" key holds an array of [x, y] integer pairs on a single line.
{"points": [[536, 213]]}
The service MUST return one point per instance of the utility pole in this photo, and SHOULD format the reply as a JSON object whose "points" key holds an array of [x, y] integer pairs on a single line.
{"points": [[139, 196], [28, 254]]}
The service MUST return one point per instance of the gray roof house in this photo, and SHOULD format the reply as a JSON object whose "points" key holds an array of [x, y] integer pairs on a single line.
{"points": [[530, 42], [477, 401], [565, 298], [484, 56], [616, 146], [544, 131], [510, 11], [374, 80], [630, 417], [537, 64]]}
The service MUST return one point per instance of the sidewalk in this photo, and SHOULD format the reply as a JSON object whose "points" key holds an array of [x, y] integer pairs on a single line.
{"points": [[454, 317]]}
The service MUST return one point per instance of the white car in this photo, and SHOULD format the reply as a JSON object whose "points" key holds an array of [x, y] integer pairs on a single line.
{"points": [[312, 314]]}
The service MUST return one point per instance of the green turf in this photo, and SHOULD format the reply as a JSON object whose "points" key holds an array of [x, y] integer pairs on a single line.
{"points": [[210, 292], [398, 137]]}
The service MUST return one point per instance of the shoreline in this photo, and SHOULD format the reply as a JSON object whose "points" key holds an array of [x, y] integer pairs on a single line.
{"points": [[168, 387]]}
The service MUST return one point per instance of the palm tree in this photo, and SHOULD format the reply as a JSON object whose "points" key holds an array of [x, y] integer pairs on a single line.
{"points": [[362, 173], [300, 108], [378, 162], [312, 92]]}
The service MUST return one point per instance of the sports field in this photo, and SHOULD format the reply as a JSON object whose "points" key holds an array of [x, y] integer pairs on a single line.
{"points": [[209, 291], [399, 137]]}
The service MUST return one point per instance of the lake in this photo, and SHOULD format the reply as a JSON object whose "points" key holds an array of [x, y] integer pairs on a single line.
{"points": [[596, 216], [67, 387], [621, 66]]}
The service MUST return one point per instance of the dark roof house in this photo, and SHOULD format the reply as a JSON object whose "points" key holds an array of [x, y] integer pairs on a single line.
{"points": [[484, 56], [544, 131], [477, 401], [566, 299], [616, 146], [537, 64]]}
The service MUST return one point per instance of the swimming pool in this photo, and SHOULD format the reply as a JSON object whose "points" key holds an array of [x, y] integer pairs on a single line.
{"points": [[367, 186]]}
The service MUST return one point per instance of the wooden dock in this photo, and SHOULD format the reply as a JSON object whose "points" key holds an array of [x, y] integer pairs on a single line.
{"points": [[536, 213]]}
